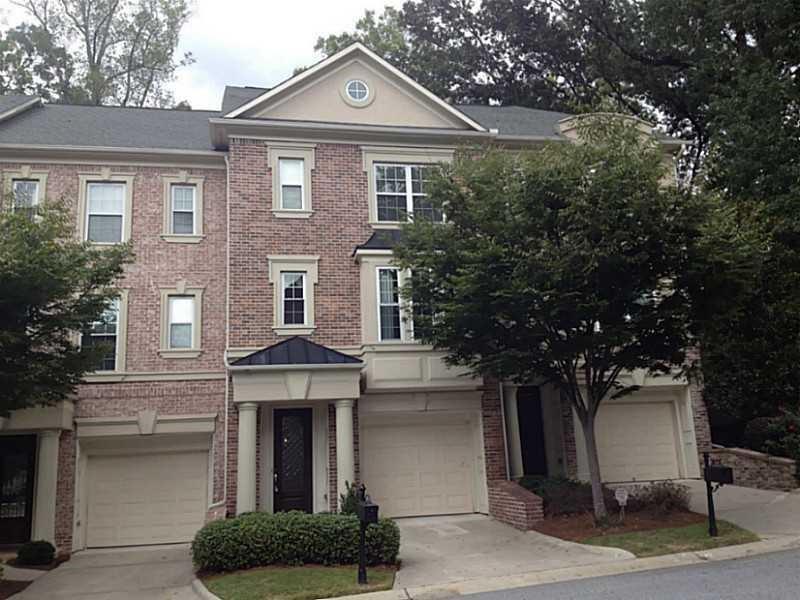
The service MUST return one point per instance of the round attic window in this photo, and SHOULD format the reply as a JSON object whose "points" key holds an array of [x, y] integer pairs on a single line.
{"points": [[357, 90]]}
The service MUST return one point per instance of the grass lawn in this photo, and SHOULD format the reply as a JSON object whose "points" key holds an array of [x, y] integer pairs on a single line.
{"points": [[675, 539], [297, 583]]}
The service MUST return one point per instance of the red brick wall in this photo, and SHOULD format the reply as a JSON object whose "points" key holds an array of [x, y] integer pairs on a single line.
{"points": [[702, 428], [570, 451], [65, 491], [494, 448], [338, 224], [512, 504]]}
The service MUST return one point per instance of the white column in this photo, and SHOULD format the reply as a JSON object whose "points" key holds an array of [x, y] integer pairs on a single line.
{"points": [[345, 449], [246, 465], [512, 431], [44, 516]]}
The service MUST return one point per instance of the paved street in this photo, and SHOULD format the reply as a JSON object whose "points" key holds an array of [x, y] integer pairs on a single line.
{"points": [[766, 577]]}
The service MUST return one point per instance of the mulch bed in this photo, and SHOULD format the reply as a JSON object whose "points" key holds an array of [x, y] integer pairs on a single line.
{"points": [[9, 588], [577, 528]]}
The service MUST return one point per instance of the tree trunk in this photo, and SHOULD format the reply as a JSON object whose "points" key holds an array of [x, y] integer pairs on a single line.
{"points": [[600, 512]]}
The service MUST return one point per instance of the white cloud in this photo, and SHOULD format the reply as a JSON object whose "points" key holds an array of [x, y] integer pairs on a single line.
{"points": [[241, 42], [249, 42]]}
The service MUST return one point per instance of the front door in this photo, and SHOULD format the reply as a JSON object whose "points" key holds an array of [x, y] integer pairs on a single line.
{"points": [[17, 464], [531, 430], [292, 475]]}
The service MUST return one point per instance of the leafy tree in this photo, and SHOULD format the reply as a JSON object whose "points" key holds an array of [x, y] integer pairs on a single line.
{"points": [[51, 286], [574, 264], [123, 51], [31, 63]]}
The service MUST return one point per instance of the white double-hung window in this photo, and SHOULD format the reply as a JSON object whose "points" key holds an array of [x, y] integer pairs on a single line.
{"points": [[104, 332], [183, 210], [400, 193], [293, 298], [291, 177], [105, 212], [25, 195], [181, 312], [390, 326]]}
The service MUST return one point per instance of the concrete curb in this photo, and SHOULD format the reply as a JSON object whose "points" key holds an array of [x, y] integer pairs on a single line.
{"points": [[202, 591], [475, 586]]}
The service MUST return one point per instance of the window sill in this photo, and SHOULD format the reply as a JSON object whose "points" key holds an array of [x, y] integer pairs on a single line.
{"points": [[104, 377], [176, 238], [293, 330], [386, 224], [291, 214], [179, 353]]}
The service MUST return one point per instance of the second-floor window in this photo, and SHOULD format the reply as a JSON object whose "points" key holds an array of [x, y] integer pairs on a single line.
{"points": [[105, 214], [104, 332], [291, 176], [25, 195], [390, 325], [293, 298], [183, 213], [181, 322], [400, 193]]}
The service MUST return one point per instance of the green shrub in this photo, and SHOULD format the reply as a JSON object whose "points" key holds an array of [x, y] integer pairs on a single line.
{"points": [[757, 433], [349, 500], [562, 496], [292, 538], [36, 553], [662, 498]]}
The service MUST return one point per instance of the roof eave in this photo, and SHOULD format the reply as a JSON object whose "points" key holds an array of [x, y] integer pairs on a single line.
{"points": [[68, 152], [19, 108], [301, 367]]}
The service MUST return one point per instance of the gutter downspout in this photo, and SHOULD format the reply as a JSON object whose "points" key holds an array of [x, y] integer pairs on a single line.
{"points": [[227, 327], [505, 433]]}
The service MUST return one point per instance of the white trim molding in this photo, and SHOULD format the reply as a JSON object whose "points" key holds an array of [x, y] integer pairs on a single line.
{"points": [[145, 423], [296, 150]]}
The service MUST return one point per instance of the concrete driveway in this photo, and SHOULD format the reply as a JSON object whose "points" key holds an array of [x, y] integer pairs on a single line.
{"points": [[147, 573], [767, 513], [437, 550]]}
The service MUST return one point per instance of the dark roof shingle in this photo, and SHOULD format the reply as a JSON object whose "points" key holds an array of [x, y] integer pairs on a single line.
{"points": [[235, 96], [107, 126], [515, 120], [296, 351]]}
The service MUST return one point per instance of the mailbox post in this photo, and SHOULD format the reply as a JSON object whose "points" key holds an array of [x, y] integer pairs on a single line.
{"points": [[367, 513], [719, 475]]}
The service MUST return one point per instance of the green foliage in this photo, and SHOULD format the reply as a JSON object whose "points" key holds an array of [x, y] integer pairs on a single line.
{"points": [[51, 286], [292, 538], [562, 496], [349, 500], [662, 498], [36, 553], [778, 435], [114, 52]]}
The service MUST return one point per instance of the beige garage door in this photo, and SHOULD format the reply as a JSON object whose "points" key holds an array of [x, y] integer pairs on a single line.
{"points": [[146, 498], [419, 465], [636, 441]]}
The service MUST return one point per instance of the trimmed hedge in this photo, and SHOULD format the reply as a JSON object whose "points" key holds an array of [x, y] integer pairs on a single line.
{"points": [[291, 538], [39, 552]]}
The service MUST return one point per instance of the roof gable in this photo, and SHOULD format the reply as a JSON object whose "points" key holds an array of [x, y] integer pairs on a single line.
{"points": [[318, 94]]}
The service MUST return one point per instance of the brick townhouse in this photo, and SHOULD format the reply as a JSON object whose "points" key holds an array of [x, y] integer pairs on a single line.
{"points": [[262, 358]]}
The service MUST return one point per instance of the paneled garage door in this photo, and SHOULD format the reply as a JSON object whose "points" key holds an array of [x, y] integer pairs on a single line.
{"points": [[146, 498], [637, 441], [419, 465]]}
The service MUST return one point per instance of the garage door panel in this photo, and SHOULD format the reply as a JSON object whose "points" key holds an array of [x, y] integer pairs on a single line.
{"points": [[146, 498], [419, 466], [637, 441]]}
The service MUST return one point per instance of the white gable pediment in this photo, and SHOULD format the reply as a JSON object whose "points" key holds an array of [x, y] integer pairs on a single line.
{"points": [[320, 94]]}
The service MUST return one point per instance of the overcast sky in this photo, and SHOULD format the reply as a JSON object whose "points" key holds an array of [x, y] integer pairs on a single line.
{"points": [[255, 42]]}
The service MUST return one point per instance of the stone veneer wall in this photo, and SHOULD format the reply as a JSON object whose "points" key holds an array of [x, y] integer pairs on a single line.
{"points": [[758, 470]]}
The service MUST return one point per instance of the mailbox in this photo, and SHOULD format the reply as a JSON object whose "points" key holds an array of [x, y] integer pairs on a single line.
{"points": [[367, 511], [719, 474]]}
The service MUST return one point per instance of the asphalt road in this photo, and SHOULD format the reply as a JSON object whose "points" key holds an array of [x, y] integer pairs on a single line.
{"points": [[766, 577]]}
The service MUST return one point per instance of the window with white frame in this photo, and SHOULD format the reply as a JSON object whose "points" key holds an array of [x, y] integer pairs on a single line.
{"points": [[293, 298], [181, 316], [25, 195], [390, 325], [104, 332], [400, 192], [105, 212], [183, 209], [291, 179]]}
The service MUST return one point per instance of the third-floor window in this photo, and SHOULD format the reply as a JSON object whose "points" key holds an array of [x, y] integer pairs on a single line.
{"points": [[105, 212], [183, 220]]}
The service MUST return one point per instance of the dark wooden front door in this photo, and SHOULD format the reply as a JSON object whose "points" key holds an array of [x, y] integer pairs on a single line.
{"points": [[17, 464], [292, 479], [531, 430]]}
